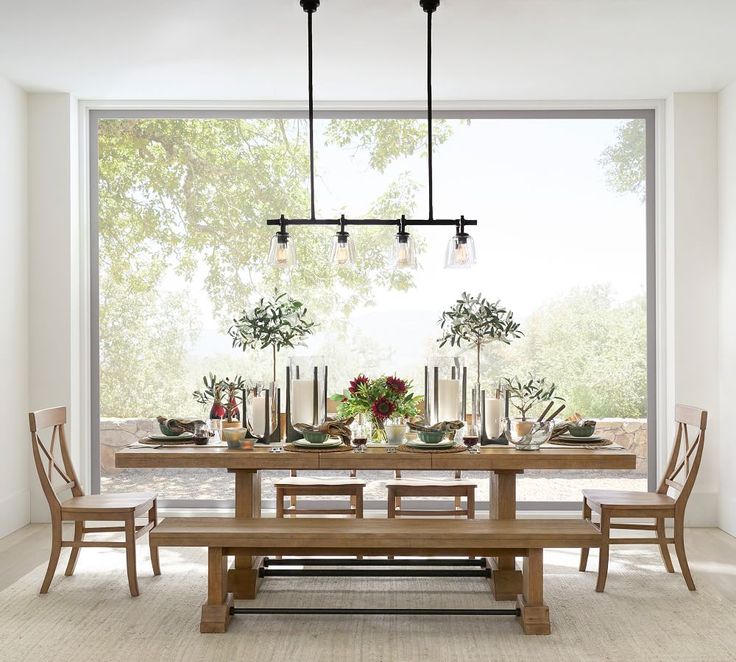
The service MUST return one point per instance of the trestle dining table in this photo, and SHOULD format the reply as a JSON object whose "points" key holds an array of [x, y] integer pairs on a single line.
{"points": [[503, 464]]}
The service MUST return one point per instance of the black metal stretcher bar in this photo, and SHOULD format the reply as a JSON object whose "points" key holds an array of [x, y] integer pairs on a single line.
{"points": [[375, 612]]}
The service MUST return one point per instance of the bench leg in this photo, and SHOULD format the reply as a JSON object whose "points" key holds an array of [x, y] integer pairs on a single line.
{"points": [[216, 611], [534, 613]]}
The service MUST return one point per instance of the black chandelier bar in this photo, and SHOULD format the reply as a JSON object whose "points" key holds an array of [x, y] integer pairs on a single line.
{"points": [[402, 222]]}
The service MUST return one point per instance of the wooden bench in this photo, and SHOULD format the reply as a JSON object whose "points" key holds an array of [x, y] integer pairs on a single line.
{"points": [[374, 537]]}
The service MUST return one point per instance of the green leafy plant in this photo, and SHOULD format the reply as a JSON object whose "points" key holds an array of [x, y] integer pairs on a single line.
{"points": [[276, 323], [524, 395], [223, 396], [474, 321]]}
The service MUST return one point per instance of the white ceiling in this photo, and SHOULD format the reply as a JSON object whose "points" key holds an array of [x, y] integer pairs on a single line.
{"points": [[368, 49]]}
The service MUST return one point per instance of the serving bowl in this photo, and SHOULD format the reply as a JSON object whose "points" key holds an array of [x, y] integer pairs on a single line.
{"points": [[433, 437], [584, 429], [315, 437], [528, 435]]}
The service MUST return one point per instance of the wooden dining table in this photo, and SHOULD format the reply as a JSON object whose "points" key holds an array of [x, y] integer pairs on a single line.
{"points": [[503, 463]]}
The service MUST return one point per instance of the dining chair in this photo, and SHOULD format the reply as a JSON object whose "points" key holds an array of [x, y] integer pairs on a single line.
{"points": [[296, 486], [668, 502], [456, 488], [81, 508]]}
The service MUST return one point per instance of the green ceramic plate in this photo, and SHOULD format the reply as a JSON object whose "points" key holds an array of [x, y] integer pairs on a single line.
{"points": [[167, 437], [422, 444], [329, 443]]}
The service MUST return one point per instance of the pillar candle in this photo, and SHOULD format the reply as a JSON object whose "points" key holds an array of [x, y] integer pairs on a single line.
{"points": [[258, 415], [494, 408], [448, 399], [302, 401]]}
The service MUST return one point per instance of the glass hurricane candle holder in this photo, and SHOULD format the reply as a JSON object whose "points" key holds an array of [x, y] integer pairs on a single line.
{"points": [[262, 417], [445, 389], [306, 393]]}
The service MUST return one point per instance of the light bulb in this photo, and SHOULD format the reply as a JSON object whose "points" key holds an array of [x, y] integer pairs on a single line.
{"points": [[402, 257], [342, 255], [282, 254], [461, 254]]}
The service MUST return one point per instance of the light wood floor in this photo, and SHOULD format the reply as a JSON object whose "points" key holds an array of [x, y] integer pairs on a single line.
{"points": [[712, 555]]}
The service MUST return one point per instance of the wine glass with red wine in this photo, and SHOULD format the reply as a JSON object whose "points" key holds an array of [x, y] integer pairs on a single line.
{"points": [[359, 442], [471, 438]]}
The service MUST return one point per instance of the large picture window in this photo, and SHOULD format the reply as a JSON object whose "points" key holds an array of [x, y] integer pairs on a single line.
{"points": [[179, 209]]}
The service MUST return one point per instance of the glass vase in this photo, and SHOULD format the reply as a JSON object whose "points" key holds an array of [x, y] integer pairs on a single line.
{"points": [[378, 431]]}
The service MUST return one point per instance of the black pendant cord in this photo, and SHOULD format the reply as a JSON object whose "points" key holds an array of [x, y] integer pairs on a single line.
{"points": [[311, 115], [429, 115]]}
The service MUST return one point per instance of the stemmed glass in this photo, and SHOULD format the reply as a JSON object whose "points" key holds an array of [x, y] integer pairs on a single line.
{"points": [[360, 430], [471, 438]]}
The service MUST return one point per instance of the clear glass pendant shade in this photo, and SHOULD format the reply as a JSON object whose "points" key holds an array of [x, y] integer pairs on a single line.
{"points": [[343, 249], [281, 252], [404, 255], [460, 252]]}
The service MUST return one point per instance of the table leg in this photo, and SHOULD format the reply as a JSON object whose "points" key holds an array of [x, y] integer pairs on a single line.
{"points": [[506, 580], [243, 578]]}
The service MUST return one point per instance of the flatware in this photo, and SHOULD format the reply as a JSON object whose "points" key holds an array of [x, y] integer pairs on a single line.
{"points": [[544, 413], [556, 411]]}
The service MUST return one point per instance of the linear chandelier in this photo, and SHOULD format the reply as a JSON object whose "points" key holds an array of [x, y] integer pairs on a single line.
{"points": [[460, 248]]}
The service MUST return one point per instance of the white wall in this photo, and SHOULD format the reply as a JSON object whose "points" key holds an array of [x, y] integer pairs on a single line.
{"points": [[15, 444], [727, 303], [54, 255], [692, 279]]}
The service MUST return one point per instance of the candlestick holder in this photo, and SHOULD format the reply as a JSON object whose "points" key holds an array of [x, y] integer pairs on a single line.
{"points": [[306, 393], [445, 389]]}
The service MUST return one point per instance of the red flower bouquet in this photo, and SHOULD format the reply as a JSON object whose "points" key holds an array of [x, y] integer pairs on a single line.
{"points": [[380, 399]]}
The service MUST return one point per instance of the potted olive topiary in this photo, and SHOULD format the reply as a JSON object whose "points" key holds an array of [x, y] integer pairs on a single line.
{"points": [[474, 322], [276, 323]]}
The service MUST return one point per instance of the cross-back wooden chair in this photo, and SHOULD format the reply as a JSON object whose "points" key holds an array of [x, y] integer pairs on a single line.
{"points": [[669, 501], [57, 475]]}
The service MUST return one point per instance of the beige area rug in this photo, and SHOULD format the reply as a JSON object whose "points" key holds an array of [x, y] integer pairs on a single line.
{"points": [[644, 615]]}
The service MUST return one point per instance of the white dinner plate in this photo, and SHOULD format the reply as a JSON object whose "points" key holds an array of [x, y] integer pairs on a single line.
{"points": [[424, 445], [328, 443]]}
